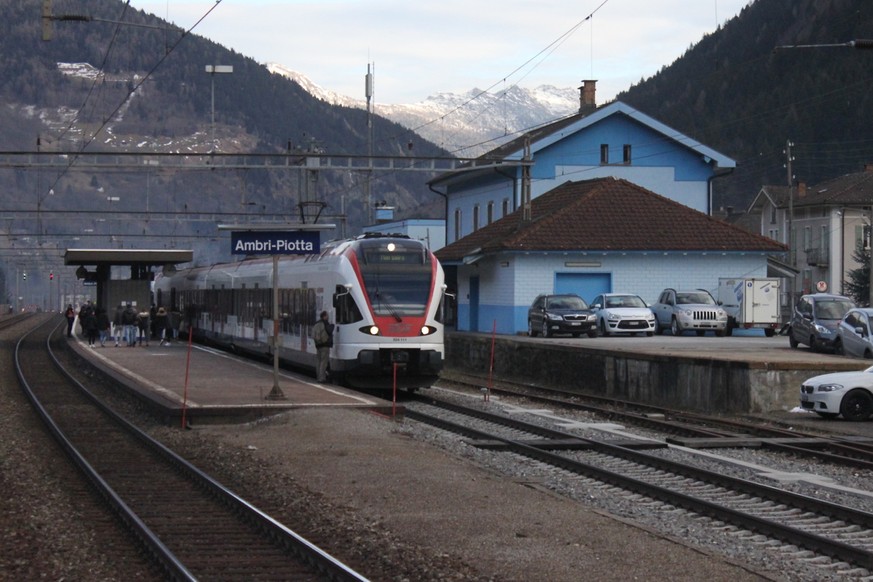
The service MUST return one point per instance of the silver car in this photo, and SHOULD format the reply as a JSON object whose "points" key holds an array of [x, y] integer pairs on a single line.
{"points": [[853, 334], [694, 310], [623, 313]]}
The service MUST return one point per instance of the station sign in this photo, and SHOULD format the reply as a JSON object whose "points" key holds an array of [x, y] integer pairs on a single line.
{"points": [[279, 242]]}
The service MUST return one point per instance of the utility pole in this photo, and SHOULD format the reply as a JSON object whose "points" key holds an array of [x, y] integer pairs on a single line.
{"points": [[368, 92], [789, 158], [526, 214]]}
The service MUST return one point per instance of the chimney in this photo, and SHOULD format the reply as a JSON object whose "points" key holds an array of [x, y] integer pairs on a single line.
{"points": [[801, 189], [587, 100]]}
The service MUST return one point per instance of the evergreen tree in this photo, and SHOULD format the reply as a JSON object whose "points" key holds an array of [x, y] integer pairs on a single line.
{"points": [[858, 285]]}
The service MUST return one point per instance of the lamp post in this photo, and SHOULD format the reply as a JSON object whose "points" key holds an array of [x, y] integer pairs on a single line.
{"points": [[110, 200], [212, 70]]}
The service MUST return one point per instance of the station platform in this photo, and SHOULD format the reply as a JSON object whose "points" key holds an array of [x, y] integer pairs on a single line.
{"points": [[206, 385]]}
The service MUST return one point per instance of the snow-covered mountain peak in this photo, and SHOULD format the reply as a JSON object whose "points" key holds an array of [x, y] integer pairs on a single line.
{"points": [[470, 123]]}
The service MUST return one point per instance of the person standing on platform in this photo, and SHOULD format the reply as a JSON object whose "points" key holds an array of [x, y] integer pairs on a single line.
{"points": [[160, 323], [128, 322], [70, 314], [143, 323], [322, 334], [117, 326], [103, 326], [88, 319]]}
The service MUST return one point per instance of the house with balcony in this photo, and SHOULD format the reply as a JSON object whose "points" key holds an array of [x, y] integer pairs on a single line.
{"points": [[614, 140], [822, 226]]}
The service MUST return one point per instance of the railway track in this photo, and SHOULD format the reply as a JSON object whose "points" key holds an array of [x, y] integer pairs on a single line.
{"points": [[823, 529], [697, 430], [186, 521]]}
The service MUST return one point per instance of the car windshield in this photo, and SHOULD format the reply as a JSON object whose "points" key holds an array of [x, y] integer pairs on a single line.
{"points": [[832, 308], [625, 301], [568, 302], [694, 298]]}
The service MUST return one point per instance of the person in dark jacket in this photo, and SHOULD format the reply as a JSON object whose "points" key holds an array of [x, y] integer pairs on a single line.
{"points": [[128, 321], [103, 325], [88, 320], [160, 324], [70, 314]]}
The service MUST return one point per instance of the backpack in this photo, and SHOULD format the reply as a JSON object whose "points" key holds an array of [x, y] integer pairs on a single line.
{"points": [[321, 334]]}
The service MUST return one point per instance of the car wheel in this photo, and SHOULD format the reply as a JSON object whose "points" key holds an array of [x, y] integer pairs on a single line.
{"points": [[650, 333], [827, 415], [868, 354], [593, 333], [769, 332], [791, 341], [838, 348], [546, 332], [728, 331], [674, 327], [857, 405], [722, 332], [813, 345], [530, 329], [603, 330]]}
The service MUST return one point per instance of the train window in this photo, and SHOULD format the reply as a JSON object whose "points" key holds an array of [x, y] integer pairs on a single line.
{"points": [[346, 309]]}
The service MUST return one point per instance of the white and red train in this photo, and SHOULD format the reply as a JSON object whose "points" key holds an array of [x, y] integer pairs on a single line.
{"points": [[384, 293]]}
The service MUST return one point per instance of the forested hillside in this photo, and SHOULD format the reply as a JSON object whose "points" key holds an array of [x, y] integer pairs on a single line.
{"points": [[139, 84], [739, 93]]}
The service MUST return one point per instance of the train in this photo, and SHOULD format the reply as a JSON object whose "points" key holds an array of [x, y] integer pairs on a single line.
{"points": [[385, 294]]}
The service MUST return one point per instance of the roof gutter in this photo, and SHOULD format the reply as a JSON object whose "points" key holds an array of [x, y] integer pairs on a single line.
{"points": [[709, 182]]}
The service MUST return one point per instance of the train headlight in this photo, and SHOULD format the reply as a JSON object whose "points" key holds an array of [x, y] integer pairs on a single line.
{"points": [[372, 330], [425, 330]]}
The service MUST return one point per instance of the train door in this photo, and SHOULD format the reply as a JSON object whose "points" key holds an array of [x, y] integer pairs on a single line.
{"points": [[474, 303]]}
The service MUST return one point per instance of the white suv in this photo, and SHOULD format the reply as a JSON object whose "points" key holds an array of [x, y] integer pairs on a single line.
{"points": [[695, 310]]}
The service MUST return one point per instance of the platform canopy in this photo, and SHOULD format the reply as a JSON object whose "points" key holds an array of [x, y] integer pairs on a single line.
{"points": [[131, 257]]}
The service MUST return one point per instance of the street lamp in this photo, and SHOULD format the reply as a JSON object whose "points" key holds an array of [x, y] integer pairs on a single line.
{"points": [[111, 199], [212, 70]]}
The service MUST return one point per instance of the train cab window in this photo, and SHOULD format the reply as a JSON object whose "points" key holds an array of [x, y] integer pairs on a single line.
{"points": [[397, 277], [346, 309]]}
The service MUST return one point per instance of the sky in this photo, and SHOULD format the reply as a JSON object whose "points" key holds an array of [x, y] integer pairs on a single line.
{"points": [[419, 49]]}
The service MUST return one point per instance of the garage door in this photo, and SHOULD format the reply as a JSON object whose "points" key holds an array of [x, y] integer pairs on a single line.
{"points": [[585, 285]]}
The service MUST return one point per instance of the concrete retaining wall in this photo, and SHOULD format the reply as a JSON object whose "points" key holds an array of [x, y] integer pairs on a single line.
{"points": [[700, 384]]}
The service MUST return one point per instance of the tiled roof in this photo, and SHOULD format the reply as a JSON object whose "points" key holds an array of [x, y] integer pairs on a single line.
{"points": [[848, 189], [607, 214]]}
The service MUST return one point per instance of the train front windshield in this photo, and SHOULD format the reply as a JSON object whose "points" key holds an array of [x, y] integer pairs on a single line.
{"points": [[397, 277]]}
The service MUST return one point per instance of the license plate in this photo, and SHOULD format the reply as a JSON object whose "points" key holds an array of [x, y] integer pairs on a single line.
{"points": [[575, 323]]}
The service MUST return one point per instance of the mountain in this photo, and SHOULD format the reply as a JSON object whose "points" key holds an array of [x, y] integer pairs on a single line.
{"points": [[745, 91], [115, 79], [466, 124]]}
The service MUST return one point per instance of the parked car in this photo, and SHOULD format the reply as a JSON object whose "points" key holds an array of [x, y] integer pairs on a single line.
{"points": [[623, 313], [695, 310], [842, 393], [815, 320], [567, 313], [853, 334]]}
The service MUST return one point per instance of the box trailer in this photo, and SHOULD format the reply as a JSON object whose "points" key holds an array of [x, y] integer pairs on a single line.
{"points": [[750, 303]]}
